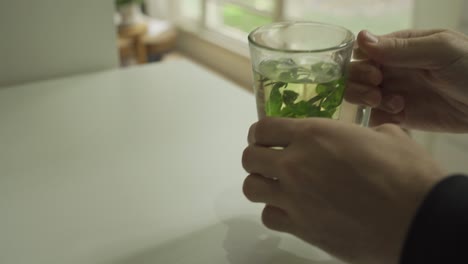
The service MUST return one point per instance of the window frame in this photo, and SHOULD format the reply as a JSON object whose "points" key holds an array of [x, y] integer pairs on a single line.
{"points": [[276, 15], [203, 22], [250, 7]]}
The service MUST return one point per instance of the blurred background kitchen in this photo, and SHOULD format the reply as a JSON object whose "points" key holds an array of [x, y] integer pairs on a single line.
{"points": [[54, 38]]}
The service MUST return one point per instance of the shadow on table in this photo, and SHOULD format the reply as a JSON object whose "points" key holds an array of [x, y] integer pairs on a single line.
{"points": [[244, 241]]}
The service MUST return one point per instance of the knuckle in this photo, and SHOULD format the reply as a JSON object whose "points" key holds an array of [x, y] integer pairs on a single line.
{"points": [[446, 40], [399, 44], [303, 131], [446, 34], [450, 44], [289, 166], [443, 38], [310, 129]]}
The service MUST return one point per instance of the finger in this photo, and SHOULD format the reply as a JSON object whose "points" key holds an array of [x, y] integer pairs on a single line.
{"points": [[414, 33], [261, 160], [359, 54], [360, 94], [379, 117], [392, 104], [272, 132], [250, 136], [277, 219], [396, 74], [259, 189], [392, 129], [429, 52], [365, 72]]}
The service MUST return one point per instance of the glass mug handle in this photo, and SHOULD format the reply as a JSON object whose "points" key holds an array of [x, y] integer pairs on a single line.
{"points": [[363, 113]]}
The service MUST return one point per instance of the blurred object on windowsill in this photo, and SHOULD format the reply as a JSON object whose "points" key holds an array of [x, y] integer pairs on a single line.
{"points": [[126, 52], [160, 38], [129, 11], [134, 34], [149, 41]]}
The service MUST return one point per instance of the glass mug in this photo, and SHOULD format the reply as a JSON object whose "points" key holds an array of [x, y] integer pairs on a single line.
{"points": [[300, 71]]}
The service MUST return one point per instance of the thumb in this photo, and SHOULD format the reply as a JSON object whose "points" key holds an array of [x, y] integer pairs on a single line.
{"points": [[427, 52]]}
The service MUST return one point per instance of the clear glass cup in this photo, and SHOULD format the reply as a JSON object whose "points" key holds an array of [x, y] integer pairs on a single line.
{"points": [[300, 71]]}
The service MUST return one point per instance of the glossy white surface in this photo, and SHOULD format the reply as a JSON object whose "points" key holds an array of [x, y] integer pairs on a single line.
{"points": [[132, 167]]}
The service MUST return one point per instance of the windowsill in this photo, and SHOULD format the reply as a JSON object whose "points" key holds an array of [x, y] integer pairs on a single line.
{"points": [[226, 54], [233, 44]]}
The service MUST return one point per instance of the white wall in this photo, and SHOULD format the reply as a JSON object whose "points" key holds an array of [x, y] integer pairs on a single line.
{"points": [[437, 13], [450, 150], [49, 38], [464, 19]]}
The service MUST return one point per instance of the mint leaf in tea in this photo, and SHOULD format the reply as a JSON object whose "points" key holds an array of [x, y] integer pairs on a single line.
{"points": [[286, 89]]}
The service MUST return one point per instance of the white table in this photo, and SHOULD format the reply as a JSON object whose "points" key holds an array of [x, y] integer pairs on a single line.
{"points": [[132, 166]]}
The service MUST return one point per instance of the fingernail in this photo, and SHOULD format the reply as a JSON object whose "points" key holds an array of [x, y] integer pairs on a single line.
{"points": [[395, 104], [371, 38]]}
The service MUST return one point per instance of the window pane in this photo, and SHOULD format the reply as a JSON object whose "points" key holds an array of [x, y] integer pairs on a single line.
{"points": [[190, 9], [242, 18], [378, 16], [264, 5]]}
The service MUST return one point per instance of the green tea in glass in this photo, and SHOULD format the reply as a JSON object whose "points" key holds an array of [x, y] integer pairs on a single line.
{"points": [[300, 71]]}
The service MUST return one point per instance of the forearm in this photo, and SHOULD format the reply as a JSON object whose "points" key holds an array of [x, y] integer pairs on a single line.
{"points": [[439, 232]]}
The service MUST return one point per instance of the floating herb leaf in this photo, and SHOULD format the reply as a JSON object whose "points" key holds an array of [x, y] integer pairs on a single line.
{"points": [[324, 89], [273, 105], [327, 113], [300, 110], [333, 92], [296, 101], [287, 77], [335, 98], [315, 99], [316, 67], [269, 67], [289, 97]]}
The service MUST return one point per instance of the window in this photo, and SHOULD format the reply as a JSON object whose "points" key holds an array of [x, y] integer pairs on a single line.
{"points": [[379, 16], [190, 9], [240, 15], [235, 18], [224, 24]]}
